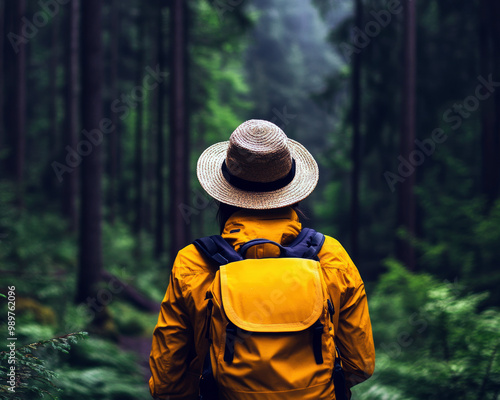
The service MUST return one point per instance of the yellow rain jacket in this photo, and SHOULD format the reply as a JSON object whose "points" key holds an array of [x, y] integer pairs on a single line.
{"points": [[179, 343]]}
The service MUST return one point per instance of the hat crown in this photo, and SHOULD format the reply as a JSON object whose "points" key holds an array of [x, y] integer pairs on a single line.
{"points": [[259, 152]]}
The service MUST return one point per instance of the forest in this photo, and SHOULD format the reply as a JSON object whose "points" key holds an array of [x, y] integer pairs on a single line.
{"points": [[105, 107]]}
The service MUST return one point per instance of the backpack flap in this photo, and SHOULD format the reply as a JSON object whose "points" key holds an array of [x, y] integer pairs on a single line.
{"points": [[272, 294]]}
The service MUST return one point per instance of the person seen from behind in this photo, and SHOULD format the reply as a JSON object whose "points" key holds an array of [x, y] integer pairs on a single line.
{"points": [[269, 309]]}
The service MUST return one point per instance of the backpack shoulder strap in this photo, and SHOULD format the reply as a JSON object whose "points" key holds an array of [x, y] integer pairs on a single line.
{"points": [[221, 253], [307, 244], [217, 249]]}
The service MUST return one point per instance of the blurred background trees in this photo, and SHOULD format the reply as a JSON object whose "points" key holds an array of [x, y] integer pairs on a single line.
{"points": [[106, 106]]}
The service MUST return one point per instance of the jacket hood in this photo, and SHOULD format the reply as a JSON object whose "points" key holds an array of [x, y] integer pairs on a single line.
{"points": [[279, 225]]}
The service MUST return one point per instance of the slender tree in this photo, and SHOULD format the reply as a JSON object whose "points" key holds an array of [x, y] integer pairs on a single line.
{"points": [[114, 137], [7, 65], [489, 35], [495, 16], [406, 203], [2, 71], [90, 257], [139, 162], [71, 111], [150, 175], [151, 106], [160, 158], [179, 135], [19, 105], [356, 138], [52, 65], [53, 141]]}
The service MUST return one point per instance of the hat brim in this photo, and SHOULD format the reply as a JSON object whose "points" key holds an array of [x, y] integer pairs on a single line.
{"points": [[209, 172]]}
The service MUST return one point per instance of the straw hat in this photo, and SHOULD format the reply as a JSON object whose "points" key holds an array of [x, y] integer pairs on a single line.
{"points": [[258, 168]]}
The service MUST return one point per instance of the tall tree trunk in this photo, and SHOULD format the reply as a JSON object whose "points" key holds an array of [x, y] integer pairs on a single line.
{"points": [[114, 136], [70, 189], [160, 210], [149, 188], [8, 58], [487, 109], [54, 58], [139, 163], [179, 165], [2, 74], [19, 102], [150, 106], [150, 183], [495, 71], [53, 143], [406, 203], [489, 40], [356, 139], [90, 257]]}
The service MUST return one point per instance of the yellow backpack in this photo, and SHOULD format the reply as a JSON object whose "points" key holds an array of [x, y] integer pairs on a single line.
{"points": [[270, 324]]}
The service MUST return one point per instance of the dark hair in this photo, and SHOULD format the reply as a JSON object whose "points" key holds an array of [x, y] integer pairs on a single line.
{"points": [[225, 211]]}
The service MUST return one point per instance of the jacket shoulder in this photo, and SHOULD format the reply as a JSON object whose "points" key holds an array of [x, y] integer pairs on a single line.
{"points": [[333, 255], [190, 261]]}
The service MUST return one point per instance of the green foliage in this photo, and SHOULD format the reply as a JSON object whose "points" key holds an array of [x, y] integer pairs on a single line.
{"points": [[461, 242], [98, 369], [130, 258], [132, 322], [94, 369], [219, 91], [37, 247], [32, 374], [432, 340], [45, 285]]}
